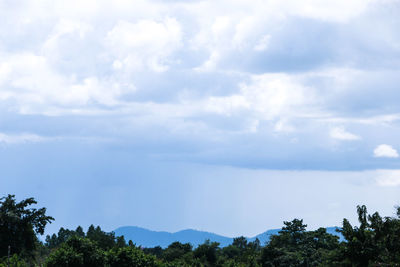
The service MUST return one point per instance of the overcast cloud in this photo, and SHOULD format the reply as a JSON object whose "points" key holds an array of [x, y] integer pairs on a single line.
{"points": [[267, 85]]}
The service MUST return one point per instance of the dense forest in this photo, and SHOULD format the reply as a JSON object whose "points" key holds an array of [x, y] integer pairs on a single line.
{"points": [[374, 242]]}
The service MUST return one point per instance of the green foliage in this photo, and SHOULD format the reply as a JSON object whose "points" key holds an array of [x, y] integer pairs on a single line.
{"points": [[374, 242], [177, 250], [241, 252], [156, 251], [65, 256], [14, 261], [130, 256], [102, 239], [62, 236], [20, 224], [207, 253], [296, 247], [77, 251]]}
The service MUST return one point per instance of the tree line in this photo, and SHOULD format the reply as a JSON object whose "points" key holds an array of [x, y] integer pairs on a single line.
{"points": [[375, 241]]}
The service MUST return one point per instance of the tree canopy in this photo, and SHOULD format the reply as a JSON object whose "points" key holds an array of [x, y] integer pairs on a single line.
{"points": [[374, 242], [19, 225]]}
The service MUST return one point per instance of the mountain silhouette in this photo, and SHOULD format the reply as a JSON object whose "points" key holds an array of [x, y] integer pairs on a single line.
{"points": [[148, 238]]}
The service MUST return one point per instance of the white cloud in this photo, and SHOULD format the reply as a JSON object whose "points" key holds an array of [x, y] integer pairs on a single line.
{"points": [[340, 133], [20, 139], [210, 64], [66, 43], [269, 96], [36, 87], [145, 44], [385, 151], [213, 67], [113, 44], [339, 11], [388, 178]]}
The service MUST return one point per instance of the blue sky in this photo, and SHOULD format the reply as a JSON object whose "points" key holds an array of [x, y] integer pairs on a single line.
{"points": [[225, 116]]}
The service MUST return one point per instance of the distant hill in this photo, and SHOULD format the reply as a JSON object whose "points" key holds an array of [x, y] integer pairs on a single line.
{"points": [[147, 238]]}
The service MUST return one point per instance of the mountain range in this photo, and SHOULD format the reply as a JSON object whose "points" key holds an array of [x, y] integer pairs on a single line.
{"points": [[148, 238]]}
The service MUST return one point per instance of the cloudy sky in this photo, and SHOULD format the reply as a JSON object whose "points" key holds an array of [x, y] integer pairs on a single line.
{"points": [[224, 116]]}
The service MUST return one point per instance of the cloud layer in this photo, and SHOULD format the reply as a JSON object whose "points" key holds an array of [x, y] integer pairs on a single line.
{"points": [[199, 110], [276, 84]]}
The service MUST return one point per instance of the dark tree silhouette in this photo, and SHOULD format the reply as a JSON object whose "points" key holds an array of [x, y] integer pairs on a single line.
{"points": [[20, 224]]}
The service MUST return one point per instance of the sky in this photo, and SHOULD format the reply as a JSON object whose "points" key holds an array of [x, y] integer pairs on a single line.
{"points": [[223, 116]]}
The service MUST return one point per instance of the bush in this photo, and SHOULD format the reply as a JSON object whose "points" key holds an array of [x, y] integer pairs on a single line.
{"points": [[14, 261], [130, 256], [77, 252]]}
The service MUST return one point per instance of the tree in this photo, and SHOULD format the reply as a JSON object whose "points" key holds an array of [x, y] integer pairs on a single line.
{"points": [[176, 250], [130, 256], [56, 240], [361, 244], [241, 252], [156, 251], [79, 231], [62, 236], [13, 261], [77, 252], [207, 252], [374, 242], [294, 230], [20, 224], [120, 241], [104, 240], [240, 242], [293, 246]]}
